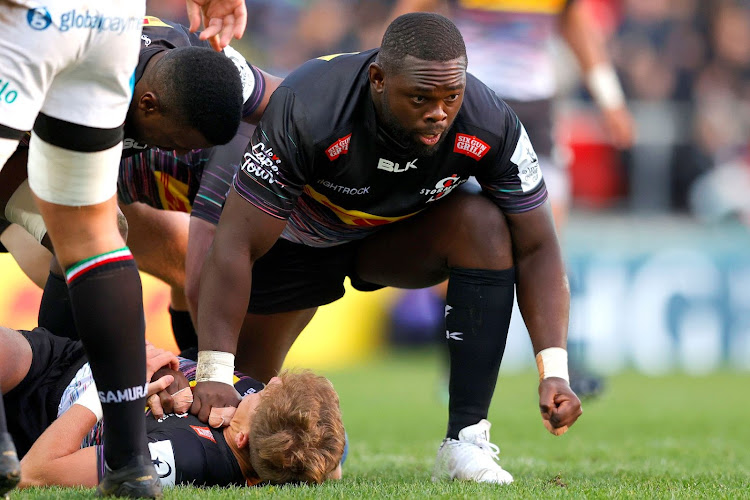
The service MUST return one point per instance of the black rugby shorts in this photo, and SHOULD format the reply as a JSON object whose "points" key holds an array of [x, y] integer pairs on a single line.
{"points": [[291, 277]]}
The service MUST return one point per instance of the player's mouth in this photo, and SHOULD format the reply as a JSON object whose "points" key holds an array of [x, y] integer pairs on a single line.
{"points": [[430, 139]]}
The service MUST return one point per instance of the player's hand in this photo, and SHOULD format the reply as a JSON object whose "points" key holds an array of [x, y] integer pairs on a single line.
{"points": [[620, 126], [159, 385], [223, 19], [208, 395], [175, 398], [559, 405], [157, 358]]}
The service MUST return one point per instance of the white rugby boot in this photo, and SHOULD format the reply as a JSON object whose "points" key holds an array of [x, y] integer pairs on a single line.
{"points": [[471, 457]]}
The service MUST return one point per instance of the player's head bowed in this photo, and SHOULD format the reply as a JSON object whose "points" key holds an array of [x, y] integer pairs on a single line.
{"points": [[212, 104]]}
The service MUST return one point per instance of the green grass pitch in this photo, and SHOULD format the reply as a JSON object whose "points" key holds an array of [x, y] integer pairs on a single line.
{"points": [[667, 437]]}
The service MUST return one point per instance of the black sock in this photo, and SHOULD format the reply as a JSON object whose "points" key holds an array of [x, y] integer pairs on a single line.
{"points": [[107, 300], [479, 304], [183, 330], [3, 422], [55, 311]]}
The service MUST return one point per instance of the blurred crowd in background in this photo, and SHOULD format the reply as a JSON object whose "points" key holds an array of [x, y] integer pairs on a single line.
{"points": [[684, 65]]}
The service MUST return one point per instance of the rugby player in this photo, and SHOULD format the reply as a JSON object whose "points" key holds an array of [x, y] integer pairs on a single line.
{"points": [[66, 70], [352, 172], [52, 410], [170, 111], [524, 77]]}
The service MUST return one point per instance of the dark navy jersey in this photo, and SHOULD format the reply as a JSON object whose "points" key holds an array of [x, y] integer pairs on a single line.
{"points": [[319, 158], [183, 449], [160, 35]]}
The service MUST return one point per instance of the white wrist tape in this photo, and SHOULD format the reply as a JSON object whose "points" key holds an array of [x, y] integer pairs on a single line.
{"points": [[90, 399], [215, 366], [605, 87], [552, 362]]}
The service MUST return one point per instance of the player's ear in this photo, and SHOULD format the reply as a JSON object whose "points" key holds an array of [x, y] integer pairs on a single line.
{"points": [[148, 103], [240, 439], [377, 77]]}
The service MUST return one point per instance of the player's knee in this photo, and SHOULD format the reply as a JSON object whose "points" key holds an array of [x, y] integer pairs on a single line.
{"points": [[71, 178], [484, 237], [122, 224]]}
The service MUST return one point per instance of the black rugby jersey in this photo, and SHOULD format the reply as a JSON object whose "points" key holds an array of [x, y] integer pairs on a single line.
{"points": [[160, 35], [320, 159], [185, 450]]}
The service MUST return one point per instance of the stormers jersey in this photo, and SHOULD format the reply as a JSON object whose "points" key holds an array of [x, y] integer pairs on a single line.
{"points": [[508, 44], [159, 35], [319, 158]]}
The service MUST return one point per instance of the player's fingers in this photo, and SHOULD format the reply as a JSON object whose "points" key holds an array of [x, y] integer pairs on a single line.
{"points": [[212, 28], [204, 413], [240, 20], [567, 413], [160, 384], [182, 400], [227, 30], [174, 363], [557, 431], [220, 417], [195, 408], [155, 404], [166, 358], [194, 15]]}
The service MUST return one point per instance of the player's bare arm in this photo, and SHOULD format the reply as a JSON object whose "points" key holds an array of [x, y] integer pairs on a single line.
{"points": [[244, 234], [588, 46], [544, 300], [57, 459], [200, 237]]}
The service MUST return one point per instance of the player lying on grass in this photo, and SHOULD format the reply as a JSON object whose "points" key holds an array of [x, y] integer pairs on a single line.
{"points": [[289, 431]]}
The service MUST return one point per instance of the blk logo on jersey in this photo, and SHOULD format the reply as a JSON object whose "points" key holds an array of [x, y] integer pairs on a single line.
{"points": [[470, 146], [203, 432], [443, 187], [390, 166], [129, 143], [262, 163], [338, 148]]}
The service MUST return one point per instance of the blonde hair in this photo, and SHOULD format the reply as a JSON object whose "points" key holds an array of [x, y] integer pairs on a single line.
{"points": [[297, 435]]}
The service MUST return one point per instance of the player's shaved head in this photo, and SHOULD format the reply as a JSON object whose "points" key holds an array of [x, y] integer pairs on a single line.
{"points": [[424, 35], [200, 88]]}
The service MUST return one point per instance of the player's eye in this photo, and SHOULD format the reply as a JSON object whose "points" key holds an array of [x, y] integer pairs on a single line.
{"points": [[418, 99], [452, 98]]}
